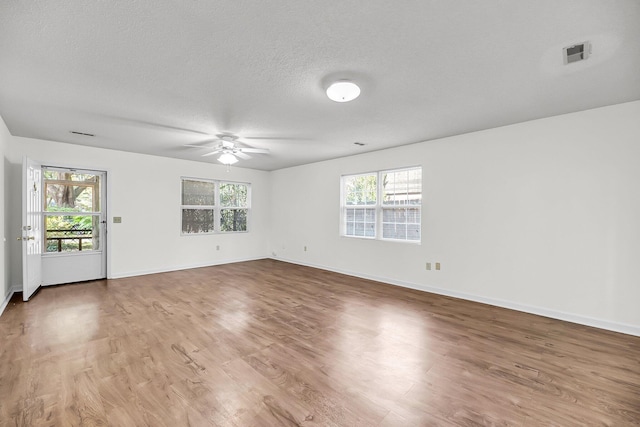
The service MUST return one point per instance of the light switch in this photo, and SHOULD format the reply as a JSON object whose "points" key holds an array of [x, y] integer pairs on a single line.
{"points": [[117, 219]]}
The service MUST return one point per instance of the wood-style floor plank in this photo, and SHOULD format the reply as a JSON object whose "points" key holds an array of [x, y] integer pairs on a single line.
{"points": [[266, 343]]}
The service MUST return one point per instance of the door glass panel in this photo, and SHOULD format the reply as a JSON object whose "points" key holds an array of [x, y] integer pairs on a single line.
{"points": [[71, 192], [72, 216], [71, 233]]}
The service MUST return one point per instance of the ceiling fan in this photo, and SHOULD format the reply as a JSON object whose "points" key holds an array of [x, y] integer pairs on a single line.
{"points": [[227, 146]]}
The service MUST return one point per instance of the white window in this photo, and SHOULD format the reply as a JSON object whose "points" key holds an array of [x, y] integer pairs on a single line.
{"points": [[213, 206], [234, 206], [359, 201], [383, 205], [401, 192]]}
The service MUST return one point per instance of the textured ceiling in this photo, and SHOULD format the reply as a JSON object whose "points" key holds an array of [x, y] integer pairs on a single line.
{"points": [[150, 76]]}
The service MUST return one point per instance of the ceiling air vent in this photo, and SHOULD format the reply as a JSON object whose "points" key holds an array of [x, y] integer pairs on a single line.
{"points": [[577, 52], [81, 133]]}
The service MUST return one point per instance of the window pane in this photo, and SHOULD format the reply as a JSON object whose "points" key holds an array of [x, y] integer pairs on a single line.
{"points": [[370, 215], [413, 232], [351, 215], [197, 220], [71, 192], [233, 220], [388, 230], [413, 215], [72, 233], [360, 222], [402, 187], [388, 215], [233, 195], [414, 195], [394, 231], [198, 193], [370, 230], [401, 223], [350, 231], [400, 215], [360, 190], [67, 175]]}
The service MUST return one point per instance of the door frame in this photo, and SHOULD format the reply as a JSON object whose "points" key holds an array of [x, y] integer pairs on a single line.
{"points": [[70, 267]]}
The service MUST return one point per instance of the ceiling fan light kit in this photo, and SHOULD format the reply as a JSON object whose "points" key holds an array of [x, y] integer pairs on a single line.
{"points": [[227, 159], [230, 152], [343, 91]]}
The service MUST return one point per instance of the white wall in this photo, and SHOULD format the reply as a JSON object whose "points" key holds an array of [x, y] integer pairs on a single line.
{"points": [[145, 191], [541, 216], [5, 287]]}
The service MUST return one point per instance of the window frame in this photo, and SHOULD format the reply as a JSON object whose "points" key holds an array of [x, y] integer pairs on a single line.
{"points": [[344, 207], [217, 207], [197, 207], [379, 206], [223, 208]]}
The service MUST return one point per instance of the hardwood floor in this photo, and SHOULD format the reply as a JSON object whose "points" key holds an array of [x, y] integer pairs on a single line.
{"points": [[267, 343]]}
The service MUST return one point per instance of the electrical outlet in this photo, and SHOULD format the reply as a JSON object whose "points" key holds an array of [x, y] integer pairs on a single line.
{"points": [[428, 266], [305, 249], [117, 219], [437, 266], [217, 247]]}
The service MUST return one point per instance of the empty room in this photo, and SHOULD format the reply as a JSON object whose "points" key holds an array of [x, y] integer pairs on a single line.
{"points": [[356, 213]]}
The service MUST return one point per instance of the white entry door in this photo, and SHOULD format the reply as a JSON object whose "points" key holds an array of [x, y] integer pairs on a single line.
{"points": [[31, 233], [74, 225]]}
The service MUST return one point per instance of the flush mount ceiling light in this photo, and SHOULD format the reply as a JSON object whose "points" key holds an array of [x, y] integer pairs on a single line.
{"points": [[227, 159], [343, 91]]}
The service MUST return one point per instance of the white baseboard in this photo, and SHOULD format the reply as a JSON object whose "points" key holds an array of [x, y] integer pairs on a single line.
{"points": [[181, 267], [540, 311], [7, 298]]}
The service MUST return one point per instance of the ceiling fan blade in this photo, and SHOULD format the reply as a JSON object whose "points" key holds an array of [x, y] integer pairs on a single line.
{"points": [[280, 138], [242, 155], [205, 143], [255, 150], [150, 124], [214, 152]]}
